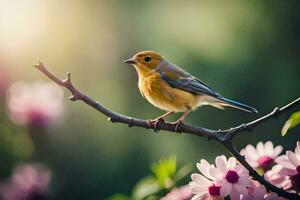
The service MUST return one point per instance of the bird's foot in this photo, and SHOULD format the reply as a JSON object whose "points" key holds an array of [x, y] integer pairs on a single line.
{"points": [[154, 122], [177, 124]]}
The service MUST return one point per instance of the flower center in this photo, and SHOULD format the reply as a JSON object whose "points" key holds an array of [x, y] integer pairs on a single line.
{"points": [[298, 169], [296, 181], [265, 162], [232, 177], [214, 190], [37, 118]]}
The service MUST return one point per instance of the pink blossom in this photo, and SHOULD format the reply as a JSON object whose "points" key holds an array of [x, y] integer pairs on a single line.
{"points": [[204, 189], [29, 181], [226, 178], [259, 192], [36, 104], [181, 193], [276, 177], [262, 156], [291, 167], [232, 177], [255, 192]]}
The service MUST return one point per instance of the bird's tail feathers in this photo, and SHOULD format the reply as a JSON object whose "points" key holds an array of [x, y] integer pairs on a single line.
{"points": [[238, 105]]}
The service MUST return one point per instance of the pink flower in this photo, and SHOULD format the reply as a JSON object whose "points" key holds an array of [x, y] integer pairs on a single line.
{"points": [[29, 181], [204, 189], [226, 178], [276, 177], [259, 192], [262, 156], [291, 167], [181, 193], [255, 192], [274, 196], [232, 177], [37, 104]]}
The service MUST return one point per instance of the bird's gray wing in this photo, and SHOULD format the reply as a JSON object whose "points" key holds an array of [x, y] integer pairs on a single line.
{"points": [[180, 79]]}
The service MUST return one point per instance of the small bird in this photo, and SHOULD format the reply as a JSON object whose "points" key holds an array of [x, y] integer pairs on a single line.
{"points": [[170, 88]]}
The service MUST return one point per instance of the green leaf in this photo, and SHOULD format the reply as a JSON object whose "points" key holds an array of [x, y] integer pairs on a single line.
{"points": [[164, 171], [293, 121], [145, 188], [119, 197]]}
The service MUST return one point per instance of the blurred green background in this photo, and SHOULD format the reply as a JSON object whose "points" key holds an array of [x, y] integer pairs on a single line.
{"points": [[246, 50]]}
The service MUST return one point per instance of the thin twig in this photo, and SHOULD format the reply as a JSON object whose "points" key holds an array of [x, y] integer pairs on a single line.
{"points": [[230, 133], [224, 137]]}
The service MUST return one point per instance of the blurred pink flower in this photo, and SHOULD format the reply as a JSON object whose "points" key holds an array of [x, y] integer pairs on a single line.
{"points": [[181, 193], [28, 181], [259, 192], [37, 104], [262, 156], [255, 192], [291, 167]]}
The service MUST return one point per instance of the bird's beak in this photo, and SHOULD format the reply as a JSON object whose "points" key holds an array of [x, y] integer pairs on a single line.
{"points": [[130, 61]]}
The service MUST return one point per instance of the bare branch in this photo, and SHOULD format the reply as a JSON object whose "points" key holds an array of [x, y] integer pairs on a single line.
{"points": [[230, 133], [224, 137]]}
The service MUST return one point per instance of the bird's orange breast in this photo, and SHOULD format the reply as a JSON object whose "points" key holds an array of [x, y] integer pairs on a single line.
{"points": [[165, 97]]}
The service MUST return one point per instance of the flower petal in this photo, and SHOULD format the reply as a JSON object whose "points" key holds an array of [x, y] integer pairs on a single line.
{"points": [[240, 188], [225, 189], [260, 149], [197, 197], [284, 162], [231, 162], [272, 196], [216, 173], [221, 164], [198, 178], [252, 152], [205, 197], [224, 158], [293, 158], [241, 170], [245, 180], [287, 172], [234, 194], [260, 192], [269, 147], [199, 190], [277, 150], [204, 167], [297, 150]]}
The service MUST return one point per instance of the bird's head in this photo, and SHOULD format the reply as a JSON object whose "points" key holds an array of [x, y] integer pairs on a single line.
{"points": [[145, 61]]}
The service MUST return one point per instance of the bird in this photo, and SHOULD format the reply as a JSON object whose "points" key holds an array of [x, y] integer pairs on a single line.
{"points": [[172, 89]]}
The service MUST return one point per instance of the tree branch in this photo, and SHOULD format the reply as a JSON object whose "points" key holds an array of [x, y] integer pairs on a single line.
{"points": [[224, 137]]}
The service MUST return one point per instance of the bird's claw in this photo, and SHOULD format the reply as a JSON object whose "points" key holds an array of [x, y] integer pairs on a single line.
{"points": [[154, 122], [177, 124]]}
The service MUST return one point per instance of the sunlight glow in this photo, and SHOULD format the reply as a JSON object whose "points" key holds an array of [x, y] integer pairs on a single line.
{"points": [[20, 23]]}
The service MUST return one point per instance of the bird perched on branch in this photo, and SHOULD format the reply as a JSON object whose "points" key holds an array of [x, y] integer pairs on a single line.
{"points": [[170, 88]]}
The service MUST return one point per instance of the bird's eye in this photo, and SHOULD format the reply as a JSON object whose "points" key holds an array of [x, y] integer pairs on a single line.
{"points": [[147, 59]]}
